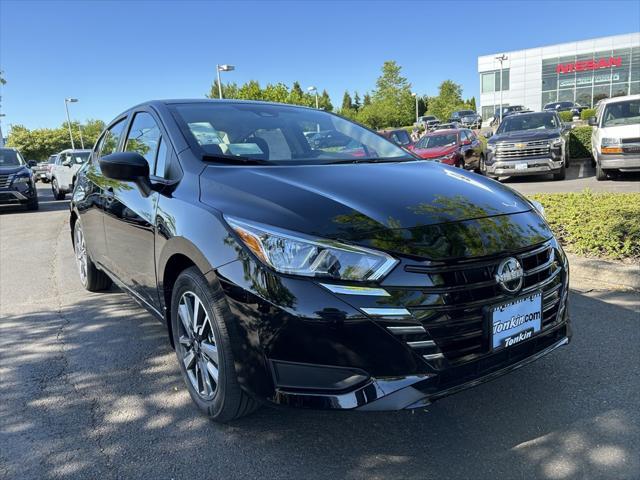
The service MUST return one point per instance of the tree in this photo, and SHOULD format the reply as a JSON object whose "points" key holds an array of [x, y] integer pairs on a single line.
{"points": [[448, 100], [367, 99], [356, 101], [324, 102], [391, 104], [2, 80], [471, 104], [347, 103]]}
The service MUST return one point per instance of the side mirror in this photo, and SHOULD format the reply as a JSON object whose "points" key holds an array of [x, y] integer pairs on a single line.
{"points": [[593, 121], [488, 134], [466, 142], [127, 167], [32, 163]]}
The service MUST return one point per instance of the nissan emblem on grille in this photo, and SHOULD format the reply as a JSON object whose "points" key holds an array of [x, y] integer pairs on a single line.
{"points": [[509, 275]]}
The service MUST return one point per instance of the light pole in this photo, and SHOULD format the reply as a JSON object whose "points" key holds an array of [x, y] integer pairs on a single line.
{"points": [[67, 101], [501, 59], [223, 68], [415, 95], [315, 90]]}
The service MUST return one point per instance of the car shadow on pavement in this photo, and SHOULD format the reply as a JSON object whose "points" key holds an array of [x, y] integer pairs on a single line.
{"points": [[92, 389]]}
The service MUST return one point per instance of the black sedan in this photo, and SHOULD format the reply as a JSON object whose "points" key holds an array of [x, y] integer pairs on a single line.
{"points": [[334, 272]]}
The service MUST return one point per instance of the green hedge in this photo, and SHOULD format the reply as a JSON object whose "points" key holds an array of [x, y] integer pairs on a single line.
{"points": [[587, 113], [580, 142], [566, 117], [595, 224]]}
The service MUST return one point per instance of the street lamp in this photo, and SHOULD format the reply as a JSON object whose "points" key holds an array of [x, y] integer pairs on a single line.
{"points": [[415, 95], [66, 107], [501, 59], [315, 90], [223, 68]]}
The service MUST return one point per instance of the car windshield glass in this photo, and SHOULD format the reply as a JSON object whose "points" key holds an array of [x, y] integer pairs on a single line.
{"points": [[280, 134], [433, 141], [621, 113], [79, 157], [9, 158], [465, 113], [536, 121]]}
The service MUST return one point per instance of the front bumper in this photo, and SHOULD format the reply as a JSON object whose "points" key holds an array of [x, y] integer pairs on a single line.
{"points": [[534, 166], [17, 195], [625, 162], [304, 345]]}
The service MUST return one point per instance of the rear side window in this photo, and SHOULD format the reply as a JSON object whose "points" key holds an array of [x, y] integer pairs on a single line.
{"points": [[111, 139], [144, 138]]}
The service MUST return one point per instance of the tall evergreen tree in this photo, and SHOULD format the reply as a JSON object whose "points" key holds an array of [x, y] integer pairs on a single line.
{"points": [[347, 103], [356, 101]]}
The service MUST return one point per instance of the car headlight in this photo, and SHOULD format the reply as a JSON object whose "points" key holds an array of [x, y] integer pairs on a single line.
{"points": [[556, 143], [611, 145], [21, 179], [450, 156], [298, 254], [538, 206], [610, 141], [491, 147]]}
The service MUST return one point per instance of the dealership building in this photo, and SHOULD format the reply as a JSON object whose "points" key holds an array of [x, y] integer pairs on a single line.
{"points": [[583, 72]]}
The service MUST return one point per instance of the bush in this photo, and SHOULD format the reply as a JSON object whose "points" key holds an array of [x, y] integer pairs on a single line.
{"points": [[587, 113], [580, 142], [595, 224], [566, 117]]}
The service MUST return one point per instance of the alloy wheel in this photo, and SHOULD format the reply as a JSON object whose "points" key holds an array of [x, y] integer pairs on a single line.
{"points": [[81, 253], [198, 348]]}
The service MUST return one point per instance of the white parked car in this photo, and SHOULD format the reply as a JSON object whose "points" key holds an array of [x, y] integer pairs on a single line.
{"points": [[615, 140], [64, 169]]}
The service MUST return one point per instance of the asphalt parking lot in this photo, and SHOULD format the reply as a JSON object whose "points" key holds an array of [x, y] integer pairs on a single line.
{"points": [[90, 388]]}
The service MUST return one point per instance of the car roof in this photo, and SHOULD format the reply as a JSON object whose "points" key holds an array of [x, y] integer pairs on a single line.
{"points": [[68, 150], [607, 101]]}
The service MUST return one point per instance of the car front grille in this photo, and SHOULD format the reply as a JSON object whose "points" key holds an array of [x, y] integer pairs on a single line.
{"points": [[5, 181], [456, 329], [520, 150]]}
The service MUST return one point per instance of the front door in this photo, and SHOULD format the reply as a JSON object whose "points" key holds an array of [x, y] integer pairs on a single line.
{"points": [[130, 215]]}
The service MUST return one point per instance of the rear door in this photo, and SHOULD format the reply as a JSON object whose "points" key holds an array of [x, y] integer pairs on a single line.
{"points": [[130, 216]]}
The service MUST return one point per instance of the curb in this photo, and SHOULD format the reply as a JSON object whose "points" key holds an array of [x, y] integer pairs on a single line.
{"points": [[603, 274]]}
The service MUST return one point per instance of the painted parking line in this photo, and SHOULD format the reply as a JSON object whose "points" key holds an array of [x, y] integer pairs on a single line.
{"points": [[581, 171]]}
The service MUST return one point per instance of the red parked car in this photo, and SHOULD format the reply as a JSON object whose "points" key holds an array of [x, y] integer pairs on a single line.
{"points": [[457, 147]]}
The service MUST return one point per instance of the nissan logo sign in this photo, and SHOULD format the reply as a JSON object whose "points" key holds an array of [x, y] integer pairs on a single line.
{"points": [[510, 275]]}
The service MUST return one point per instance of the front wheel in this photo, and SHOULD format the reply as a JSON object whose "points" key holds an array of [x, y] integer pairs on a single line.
{"points": [[57, 194], [203, 348], [33, 203], [561, 174], [601, 173]]}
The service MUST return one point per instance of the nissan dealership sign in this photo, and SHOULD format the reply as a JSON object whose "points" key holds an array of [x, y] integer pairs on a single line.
{"points": [[589, 65]]}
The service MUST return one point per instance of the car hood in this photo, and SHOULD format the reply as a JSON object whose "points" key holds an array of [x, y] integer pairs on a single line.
{"points": [[10, 170], [434, 152], [525, 135], [620, 131], [351, 201]]}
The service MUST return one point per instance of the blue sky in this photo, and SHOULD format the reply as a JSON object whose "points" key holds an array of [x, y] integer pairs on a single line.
{"points": [[113, 54]]}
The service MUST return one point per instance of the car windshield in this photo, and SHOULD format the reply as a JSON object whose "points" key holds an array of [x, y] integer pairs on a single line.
{"points": [[280, 134], [79, 157], [535, 121], [465, 113], [10, 158], [621, 113], [434, 141]]}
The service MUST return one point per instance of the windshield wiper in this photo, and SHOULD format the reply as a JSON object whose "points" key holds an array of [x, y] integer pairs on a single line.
{"points": [[374, 160], [233, 160]]}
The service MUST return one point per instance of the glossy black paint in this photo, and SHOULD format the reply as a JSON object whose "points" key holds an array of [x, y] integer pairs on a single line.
{"points": [[425, 214]]}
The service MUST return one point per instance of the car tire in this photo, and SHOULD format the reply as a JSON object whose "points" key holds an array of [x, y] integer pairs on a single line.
{"points": [[601, 173], [561, 174], [91, 277], [205, 345], [483, 169], [57, 194], [33, 203]]}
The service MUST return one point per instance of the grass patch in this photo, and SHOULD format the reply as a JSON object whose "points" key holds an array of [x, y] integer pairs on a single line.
{"points": [[595, 224]]}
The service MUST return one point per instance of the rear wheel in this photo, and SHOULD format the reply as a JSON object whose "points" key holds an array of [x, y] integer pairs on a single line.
{"points": [[203, 348], [91, 278]]}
